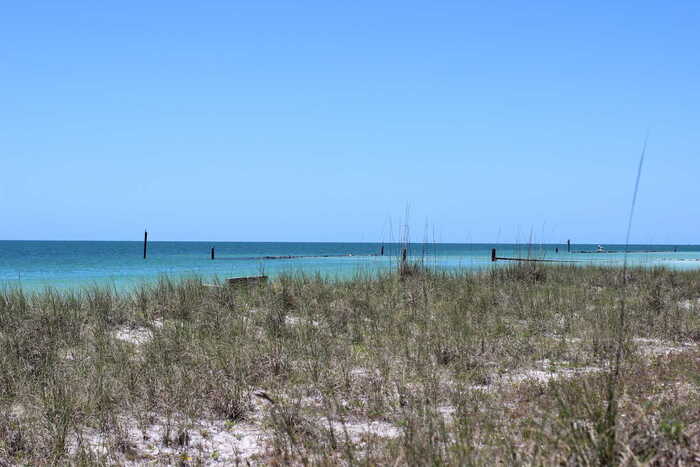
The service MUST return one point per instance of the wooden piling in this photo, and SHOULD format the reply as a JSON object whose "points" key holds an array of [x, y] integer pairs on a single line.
{"points": [[568, 246], [212, 252], [404, 254], [145, 243], [493, 255], [381, 252]]}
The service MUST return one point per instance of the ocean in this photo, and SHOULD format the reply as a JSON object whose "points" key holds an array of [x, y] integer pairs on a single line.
{"points": [[34, 265]]}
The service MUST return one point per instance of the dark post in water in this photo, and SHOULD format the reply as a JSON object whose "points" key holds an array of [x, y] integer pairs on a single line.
{"points": [[381, 252], [212, 252], [145, 243], [404, 253], [568, 246], [493, 255]]}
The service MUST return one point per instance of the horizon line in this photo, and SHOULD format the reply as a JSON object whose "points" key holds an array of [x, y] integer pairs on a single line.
{"points": [[349, 242]]}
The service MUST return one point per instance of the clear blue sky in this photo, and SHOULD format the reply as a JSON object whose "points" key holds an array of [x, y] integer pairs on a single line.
{"points": [[320, 121]]}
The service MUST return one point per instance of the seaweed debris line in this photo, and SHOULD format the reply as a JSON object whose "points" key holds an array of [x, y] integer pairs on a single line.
{"points": [[268, 257], [600, 249]]}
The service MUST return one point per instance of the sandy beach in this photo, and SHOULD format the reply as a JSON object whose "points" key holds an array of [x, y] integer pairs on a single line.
{"points": [[425, 367]]}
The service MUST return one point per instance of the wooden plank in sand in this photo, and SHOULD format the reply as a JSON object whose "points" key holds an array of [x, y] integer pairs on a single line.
{"points": [[246, 281]]}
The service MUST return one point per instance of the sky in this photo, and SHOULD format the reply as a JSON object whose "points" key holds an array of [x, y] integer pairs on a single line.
{"points": [[489, 121]]}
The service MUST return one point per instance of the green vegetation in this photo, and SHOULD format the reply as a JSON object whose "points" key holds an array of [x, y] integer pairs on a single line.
{"points": [[512, 365]]}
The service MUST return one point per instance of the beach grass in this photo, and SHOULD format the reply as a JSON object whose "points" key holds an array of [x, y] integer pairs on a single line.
{"points": [[511, 365]]}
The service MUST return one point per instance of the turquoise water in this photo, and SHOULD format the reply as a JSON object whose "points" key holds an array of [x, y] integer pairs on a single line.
{"points": [[37, 264]]}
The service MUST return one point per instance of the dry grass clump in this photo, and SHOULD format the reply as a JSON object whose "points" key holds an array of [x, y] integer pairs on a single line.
{"points": [[426, 367]]}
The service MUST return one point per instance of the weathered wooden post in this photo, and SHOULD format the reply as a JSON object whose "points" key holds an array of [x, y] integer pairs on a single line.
{"points": [[381, 252], [493, 255], [568, 246], [404, 254], [145, 243], [212, 252]]}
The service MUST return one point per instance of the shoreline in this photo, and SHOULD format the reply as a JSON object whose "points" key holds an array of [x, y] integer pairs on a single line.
{"points": [[289, 265]]}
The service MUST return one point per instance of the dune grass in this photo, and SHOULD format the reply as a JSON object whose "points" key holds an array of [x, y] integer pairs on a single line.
{"points": [[509, 365]]}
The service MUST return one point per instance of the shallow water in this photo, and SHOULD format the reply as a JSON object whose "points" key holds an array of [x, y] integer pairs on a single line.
{"points": [[37, 264]]}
